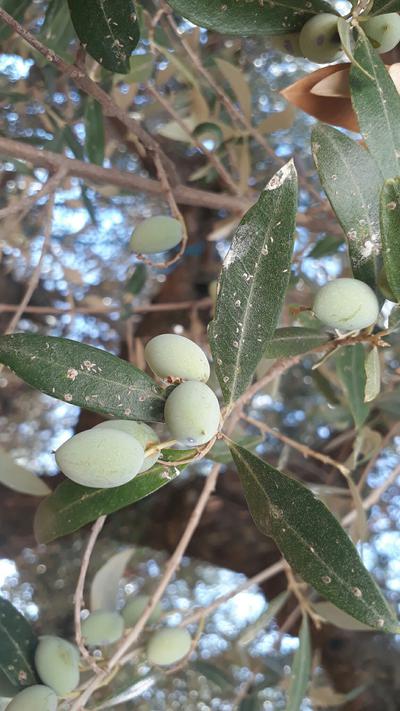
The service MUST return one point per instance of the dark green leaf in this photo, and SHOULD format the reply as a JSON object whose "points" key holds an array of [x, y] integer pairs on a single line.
{"points": [[312, 540], [57, 30], [71, 506], [352, 182], [377, 105], [94, 132], [137, 281], [380, 7], [394, 318], [17, 646], [250, 703], [217, 676], [108, 29], [301, 669], [325, 247], [293, 340], [73, 143], [17, 9], [390, 227], [253, 282], [350, 363], [82, 375], [88, 204], [244, 18]]}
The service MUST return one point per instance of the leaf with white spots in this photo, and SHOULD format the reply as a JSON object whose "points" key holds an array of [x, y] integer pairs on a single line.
{"points": [[83, 375], [312, 540], [376, 102], [72, 506], [390, 226], [108, 29], [253, 283], [244, 18], [352, 183], [17, 646]]}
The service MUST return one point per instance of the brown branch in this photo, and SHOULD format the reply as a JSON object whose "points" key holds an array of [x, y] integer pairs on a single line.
{"points": [[83, 81], [205, 303]]}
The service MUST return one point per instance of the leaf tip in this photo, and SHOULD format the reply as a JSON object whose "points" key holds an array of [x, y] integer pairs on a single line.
{"points": [[287, 172]]}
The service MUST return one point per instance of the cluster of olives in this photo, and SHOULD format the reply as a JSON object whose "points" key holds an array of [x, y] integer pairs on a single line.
{"points": [[156, 234], [114, 452], [319, 39], [57, 661], [346, 304]]}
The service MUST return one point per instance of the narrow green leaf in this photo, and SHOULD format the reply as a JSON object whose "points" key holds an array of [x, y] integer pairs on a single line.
{"points": [[108, 29], [250, 18], [217, 676], [137, 281], [373, 375], [17, 9], [293, 340], [221, 453], [106, 582], [377, 105], [84, 376], [346, 37], [264, 620], [17, 646], [71, 506], [20, 479], [253, 282], [94, 127], [390, 226], [350, 364], [301, 669], [326, 246], [312, 540], [337, 617], [394, 318], [57, 30], [352, 183], [379, 7]]}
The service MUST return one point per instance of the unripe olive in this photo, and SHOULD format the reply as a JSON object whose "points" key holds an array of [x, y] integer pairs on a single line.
{"points": [[192, 413], [383, 31], [289, 43], [57, 663], [156, 234], [34, 698], [346, 304], [100, 458], [144, 434], [135, 607], [168, 646], [102, 627], [319, 38], [169, 355]]}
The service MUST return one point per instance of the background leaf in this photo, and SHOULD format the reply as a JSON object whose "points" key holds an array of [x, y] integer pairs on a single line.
{"points": [[382, 6], [20, 479], [108, 29], [238, 82], [337, 617], [377, 105], [293, 340], [254, 18], [350, 365], [301, 669], [372, 374], [252, 284], [94, 132], [71, 506], [17, 646], [105, 584], [390, 227], [352, 183], [82, 375], [312, 540], [16, 8]]}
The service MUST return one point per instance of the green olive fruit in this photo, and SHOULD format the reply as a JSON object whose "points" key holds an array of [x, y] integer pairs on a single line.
{"points": [[289, 43], [57, 663], [156, 234], [192, 413], [134, 608], [102, 627], [172, 356], [346, 304], [34, 698], [100, 458], [144, 434], [383, 31], [319, 39], [168, 646]]}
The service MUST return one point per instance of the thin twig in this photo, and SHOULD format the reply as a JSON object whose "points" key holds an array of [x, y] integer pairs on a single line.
{"points": [[78, 596], [205, 303]]}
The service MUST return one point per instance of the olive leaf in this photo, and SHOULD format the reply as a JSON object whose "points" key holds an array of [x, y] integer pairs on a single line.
{"points": [[301, 668], [312, 540], [17, 646], [83, 375]]}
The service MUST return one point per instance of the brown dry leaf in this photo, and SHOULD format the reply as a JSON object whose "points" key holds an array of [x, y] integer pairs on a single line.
{"points": [[334, 110], [199, 106]]}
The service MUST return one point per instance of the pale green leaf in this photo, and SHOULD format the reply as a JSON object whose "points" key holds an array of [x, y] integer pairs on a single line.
{"points": [[238, 83], [301, 669], [293, 340], [19, 478], [350, 364], [105, 584], [373, 375], [334, 616], [390, 226]]}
